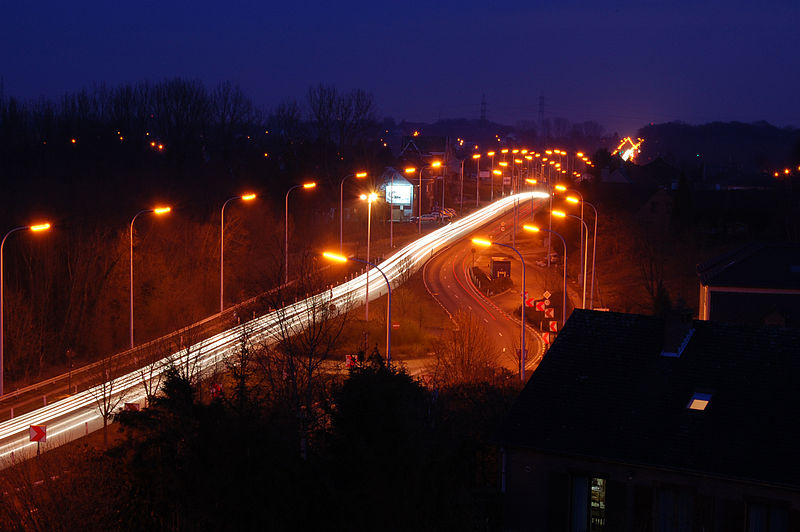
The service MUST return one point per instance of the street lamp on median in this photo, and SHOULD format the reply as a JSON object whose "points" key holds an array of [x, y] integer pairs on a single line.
{"points": [[491, 189], [536, 229], [246, 197], [488, 243], [411, 170], [159, 211], [358, 175], [34, 228], [369, 199], [286, 226], [340, 258], [477, 157], [572, 199], [562, 214]]}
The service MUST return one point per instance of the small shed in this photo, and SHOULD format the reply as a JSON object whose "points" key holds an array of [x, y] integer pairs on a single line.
{"points": [[500, 267]]}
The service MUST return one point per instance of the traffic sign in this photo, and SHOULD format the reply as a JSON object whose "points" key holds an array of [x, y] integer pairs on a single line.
{"points": [[546, 338], [38, 433], [553, 326], [540, 306], [550, 312], [395, 325], [528, 301], [546, 294], [132, 407]]}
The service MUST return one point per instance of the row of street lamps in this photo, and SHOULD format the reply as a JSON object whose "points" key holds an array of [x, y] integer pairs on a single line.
{"points": [[157, 211]]}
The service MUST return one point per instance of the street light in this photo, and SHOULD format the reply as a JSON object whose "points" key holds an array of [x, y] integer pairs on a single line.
{"points": [[477, 157], [487, 243], [563, 188], [340, 258], [159, 211], [562, 214], [594, 243], [369, 199], [359, 175], [34, 228], [491, 189], [246, 197], [411, 170], [536, 229], [286, 226]]}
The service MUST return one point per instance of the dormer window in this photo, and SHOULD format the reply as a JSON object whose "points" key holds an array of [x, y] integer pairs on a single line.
{"points": [[699, 401]]}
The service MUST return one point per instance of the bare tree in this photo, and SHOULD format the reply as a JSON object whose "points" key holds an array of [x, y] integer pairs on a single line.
{"points": [[110, 391], [465, 354], [295, 362]]}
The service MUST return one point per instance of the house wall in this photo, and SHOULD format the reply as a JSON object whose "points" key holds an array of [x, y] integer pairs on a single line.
{"points": [[539, 494]]}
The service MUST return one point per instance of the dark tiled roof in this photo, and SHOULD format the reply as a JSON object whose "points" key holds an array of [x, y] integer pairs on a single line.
{"points": [[604, 391], [760, 265]]}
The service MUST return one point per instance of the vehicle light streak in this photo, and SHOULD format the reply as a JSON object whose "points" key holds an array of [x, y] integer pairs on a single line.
{"points": [[67, 419]]}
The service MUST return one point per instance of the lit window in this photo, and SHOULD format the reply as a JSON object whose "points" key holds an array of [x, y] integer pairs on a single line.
{"points": [[699, 401]]}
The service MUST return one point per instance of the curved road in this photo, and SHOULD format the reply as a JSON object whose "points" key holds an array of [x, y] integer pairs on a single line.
{"points": [[447, 279]]}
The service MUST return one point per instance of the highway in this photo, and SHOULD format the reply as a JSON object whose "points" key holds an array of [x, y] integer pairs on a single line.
{"points": [[76, 415]]}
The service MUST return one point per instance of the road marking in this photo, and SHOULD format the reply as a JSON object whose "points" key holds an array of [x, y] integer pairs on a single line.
{"points": [[501, 334]]}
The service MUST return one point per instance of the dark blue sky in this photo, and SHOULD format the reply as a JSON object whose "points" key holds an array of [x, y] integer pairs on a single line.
{"points": [[623, 64]]}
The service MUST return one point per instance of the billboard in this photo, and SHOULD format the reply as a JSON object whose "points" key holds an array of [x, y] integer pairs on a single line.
{"points": [[399, 194]]}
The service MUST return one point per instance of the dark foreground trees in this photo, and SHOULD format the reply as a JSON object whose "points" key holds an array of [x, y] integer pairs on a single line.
{"points": [[393, 455]]}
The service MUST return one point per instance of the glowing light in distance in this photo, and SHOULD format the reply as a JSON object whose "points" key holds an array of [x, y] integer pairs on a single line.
{"points": [[504, 150], [560, 214], [531, 181], [436, 164], [361, 174], [481, 242], [248, 197], [162, 210], [410, 170], [40, 227], [560, 188], [476, 155], [531, 228], [497, 172], [309, 185], [573, 199], [490, 154]]}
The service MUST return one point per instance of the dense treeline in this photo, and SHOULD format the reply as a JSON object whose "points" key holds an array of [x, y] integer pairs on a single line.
{"points": [[387, 453], [726, 149], [90, 161]]}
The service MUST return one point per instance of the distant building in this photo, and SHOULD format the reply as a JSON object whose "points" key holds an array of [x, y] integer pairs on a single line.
{"points": [[757, 284], [631, 423]]}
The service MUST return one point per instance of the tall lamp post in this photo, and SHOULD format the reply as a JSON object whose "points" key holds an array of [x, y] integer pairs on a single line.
{"points": [[563, 188], [492, 174], [369, 199], [159, 211], [477, 157], [340, 258], [34, 228], [286, 227], [246, 197], [487, 243], [434, 164], [562, 214], [572, 199], [536, 229], [359, 175]]}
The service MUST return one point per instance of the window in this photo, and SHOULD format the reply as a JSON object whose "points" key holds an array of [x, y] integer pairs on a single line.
{"points": [[588, 512], [763, 517], [699, 401], [673, 510]]}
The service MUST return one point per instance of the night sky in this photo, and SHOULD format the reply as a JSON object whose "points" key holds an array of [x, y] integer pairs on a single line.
{"points": [[623, 64]]}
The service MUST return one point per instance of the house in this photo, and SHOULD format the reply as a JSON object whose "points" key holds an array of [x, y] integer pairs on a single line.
{"points": [[756, 284], [634, 423]]}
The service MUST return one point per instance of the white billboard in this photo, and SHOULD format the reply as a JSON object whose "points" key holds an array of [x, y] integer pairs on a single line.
{"points": [[399, 194]]}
